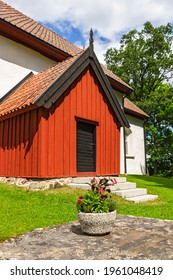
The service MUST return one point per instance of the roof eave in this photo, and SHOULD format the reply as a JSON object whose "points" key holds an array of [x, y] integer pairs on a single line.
{"points": [[135, 114], [120, 87], [20, 36]]}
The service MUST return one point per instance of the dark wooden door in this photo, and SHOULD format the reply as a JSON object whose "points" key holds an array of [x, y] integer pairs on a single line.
{"points": [[86, 147]]}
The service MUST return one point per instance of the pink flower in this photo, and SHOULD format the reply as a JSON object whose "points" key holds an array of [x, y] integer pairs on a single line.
{"points": [[95, 181], [100, 190], [80, 199], [114, 181]]}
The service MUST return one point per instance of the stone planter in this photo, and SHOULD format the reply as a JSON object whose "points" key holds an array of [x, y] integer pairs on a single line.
{"points": [[97, 223]]}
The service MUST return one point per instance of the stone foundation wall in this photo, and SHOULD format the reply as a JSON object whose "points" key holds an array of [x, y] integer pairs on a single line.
{"points": [[36, 184]]}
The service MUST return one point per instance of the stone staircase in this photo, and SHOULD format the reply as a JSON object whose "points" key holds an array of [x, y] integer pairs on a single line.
{"points": [[126, 190]]}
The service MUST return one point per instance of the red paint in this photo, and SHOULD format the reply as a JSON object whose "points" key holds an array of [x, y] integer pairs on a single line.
{"points": [[42, 142]]}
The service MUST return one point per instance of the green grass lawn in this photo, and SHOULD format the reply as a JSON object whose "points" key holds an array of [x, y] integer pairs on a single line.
{"points": [[22, 210], [161, 208]]}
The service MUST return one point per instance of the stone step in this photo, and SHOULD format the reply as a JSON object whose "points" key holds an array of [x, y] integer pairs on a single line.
{"points": [[130, 192], [123, 186], [142, 198], [84, 180]]}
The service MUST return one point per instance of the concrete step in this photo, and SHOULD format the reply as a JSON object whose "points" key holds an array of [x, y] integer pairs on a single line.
{"points": [[123, 186], [81, 180], [79, 186], [119, 179], [126, 190], [142, 198], [84, 180], [130, 192]]}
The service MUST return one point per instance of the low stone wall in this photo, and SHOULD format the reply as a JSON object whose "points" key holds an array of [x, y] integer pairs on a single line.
{"points": [[36, 184]]}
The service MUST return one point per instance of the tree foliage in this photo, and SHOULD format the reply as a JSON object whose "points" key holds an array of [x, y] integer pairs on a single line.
{"points": [[159, 131], [145, 61]]}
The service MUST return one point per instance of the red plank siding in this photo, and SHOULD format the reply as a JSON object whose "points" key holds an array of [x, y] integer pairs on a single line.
{"points": [[59, 141], [42, 142], [27, 166]]}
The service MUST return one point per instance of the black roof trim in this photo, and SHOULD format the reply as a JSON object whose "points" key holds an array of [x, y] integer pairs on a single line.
{"points": [[62, 83], [53, 92], [104, 81], [10, 92]]}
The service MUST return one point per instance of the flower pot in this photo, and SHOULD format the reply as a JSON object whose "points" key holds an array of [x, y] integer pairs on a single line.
{"points": [[97, 223]]}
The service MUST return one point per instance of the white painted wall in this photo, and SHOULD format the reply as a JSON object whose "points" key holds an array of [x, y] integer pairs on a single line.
{"points": [[135, 144], [122, 161], [10, 75], [119, 96], [135, 157], [16, 61], [20, 55]]}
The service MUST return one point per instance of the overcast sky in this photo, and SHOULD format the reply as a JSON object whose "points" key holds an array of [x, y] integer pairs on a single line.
{"points": [[109, 19]]}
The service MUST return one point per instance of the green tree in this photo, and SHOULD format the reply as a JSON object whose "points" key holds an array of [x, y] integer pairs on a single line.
{"points": [[159, 130], [145, 61]]}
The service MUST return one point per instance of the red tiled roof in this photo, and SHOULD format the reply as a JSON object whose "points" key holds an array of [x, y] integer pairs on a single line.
{"points": [[23, 22], [30, 26], [133, 109], [28, 92], [114, 77]]}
